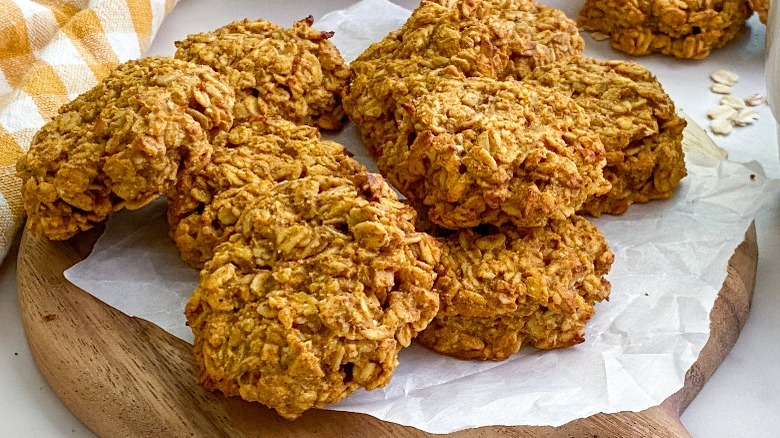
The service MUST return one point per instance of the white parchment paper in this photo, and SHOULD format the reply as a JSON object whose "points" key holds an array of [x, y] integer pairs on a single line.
{"points": [[670, 263]]}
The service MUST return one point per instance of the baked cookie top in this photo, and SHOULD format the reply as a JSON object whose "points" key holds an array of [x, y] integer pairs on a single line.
{"points": [[295, 74], [480, 151], [681, 28], [321, 284], [205, 202], [503, 288], [635, 120], [489, 38], [121, 143]]}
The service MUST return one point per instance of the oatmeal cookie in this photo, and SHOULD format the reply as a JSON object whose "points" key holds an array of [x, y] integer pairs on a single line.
{"points": [[379, 90], [489, 38], [120, 144], [636, 121], [323, 282], [501, 289], [296, 74], [497, 39], [478, 150], [206, 202], [681, 28]]}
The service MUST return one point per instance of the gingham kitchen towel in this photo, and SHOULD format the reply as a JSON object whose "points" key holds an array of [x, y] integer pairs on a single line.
{"points": [[50, 52]]}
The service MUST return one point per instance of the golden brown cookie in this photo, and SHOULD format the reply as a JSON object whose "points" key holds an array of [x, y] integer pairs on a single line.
{"points": [[121, 143], [681, 28], [312, 297], [477, 150], [379, 91], [296, 74], [206, 202], [636, 121], [489, 38], [496, 39], [501, 289]]}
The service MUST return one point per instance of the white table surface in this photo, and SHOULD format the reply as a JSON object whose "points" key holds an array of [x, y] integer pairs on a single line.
{"points": [[742, 399]]}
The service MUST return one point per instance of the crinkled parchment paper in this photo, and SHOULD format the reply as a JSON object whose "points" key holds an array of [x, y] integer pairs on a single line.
{"points": [[670, 263]]}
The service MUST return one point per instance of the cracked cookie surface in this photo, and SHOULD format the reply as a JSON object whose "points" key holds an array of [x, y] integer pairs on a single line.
{"points": [[120, 144], [477, 150], [681, 28], [205, 202], [322, 283], [503, 288], [635, 120], [488, 38], [295, 74], [498, 39]]}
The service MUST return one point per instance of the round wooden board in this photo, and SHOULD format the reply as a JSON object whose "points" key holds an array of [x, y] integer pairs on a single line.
{"points": [[125, 377]]}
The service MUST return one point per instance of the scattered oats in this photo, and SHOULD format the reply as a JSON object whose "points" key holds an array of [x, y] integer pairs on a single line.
{"points": [[725, 77], [745, 117], [722, 112], [598, 36], [721, 126], [733, 102], [755, 100], [720, 88]]}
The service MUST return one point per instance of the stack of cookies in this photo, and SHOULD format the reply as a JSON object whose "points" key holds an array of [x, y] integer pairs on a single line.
{"points": [[486, 116], [314, 275]]}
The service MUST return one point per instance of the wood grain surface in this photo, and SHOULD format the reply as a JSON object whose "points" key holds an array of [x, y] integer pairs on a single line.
{"points": [[126, 377]]}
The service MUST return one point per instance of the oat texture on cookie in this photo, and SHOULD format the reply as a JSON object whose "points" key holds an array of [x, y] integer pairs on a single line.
{"points": [[480, 151], [498, 162], [205, 202], [477, 150], [503, 288], [433, 103], [120, 144], [635, 120], [313, 275], [488, 38], [496, 39], [313, 295], [296, 74], [681, 28]]}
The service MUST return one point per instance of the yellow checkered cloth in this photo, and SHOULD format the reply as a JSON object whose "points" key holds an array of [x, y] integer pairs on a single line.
{"points": [[50, 52]]}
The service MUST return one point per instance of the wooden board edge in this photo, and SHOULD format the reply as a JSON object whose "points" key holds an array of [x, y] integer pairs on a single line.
{"points": [[727, 318], [168, 401]]}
